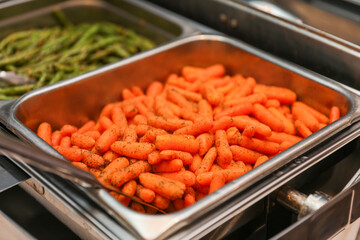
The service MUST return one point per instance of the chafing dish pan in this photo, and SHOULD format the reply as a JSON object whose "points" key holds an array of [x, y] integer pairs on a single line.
{"points": [[81, 98]]}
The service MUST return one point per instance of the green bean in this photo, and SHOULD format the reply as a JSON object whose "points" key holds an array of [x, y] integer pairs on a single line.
{"points": [[60, 17], [56, 78]]}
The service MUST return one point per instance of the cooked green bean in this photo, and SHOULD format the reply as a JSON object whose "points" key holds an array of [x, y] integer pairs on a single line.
{"points": [[55, 53]]}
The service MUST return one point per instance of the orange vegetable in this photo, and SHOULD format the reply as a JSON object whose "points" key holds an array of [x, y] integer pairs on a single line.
{"points": [[80, 165], [211, 95], [65, 142], [284, 95], [168, 166], [240, 109], [205, 109], [114, 166], [68, 130], [200, 126], [55, 138], [107, 138], [334, 114], [82, 141], [162, 108], [133, 149], [93, 134], [163, 186], [118, 117], [301, 113], [173, 154], [302, 129], [222, 148], [167, 124], [241, 122], [129, 188], [89, 125], [243, 154], [130, 172], [218, 180], [189, 196], [145, 194], [186, 177], [105, 122], [154, 89], [177, 142], [72, 154], [205, 140], [207, 161], [265, 116], [92, 159], [260, 161]]}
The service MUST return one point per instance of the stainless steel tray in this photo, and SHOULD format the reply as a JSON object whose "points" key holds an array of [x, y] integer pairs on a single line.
{"points": [[67, 102]]}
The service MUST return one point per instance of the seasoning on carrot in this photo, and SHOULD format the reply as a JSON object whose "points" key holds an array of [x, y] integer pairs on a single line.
{"points": [[107, 138], [222, 148], [186, 177], [133, 149], [130, 172], [177, 142]]}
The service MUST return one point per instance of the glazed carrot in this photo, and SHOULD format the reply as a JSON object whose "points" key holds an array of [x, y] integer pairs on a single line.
{"points": [[167, 124], [80, 165], [241, 109], [72, 154], [154, 157], [205, 140], [222, 124], [118, 117], [334, 114], [130, 135], [129, 110], [68, 130], [161, 202], [243, 154], [274, 103], [189, 196], [114, 166], [140, 119], [106, 111], [162, 108], [107, 138], [133, 149], [56, 138], [145, 194], [105, 122], [242, 121], [186, 177], [177, 142], [137, 207], [265, 116], [173, 154], [253, 98], [92, 160], [207, 161], [222, 148], [301, 113], [211, 95], [200, 126], [249, 131], [168, 166], [110, 156], [129, 188], [180, 100], [260, 161], [218, 180], [195, 163], [93, 134], [127, 94], [89, 125], [130, 172], [65, 142], [154, 89], [302, 129], [284, 95], [288, 125], [205, 109], [163, 186], [318, 115]]}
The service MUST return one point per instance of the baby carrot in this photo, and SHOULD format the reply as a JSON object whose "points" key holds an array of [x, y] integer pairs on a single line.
{"points": [[192, 116], [334, 114], [281, 137], [222, 148], [205, 109], [143, 110], [82, 141], [65, 142], [108, 137], [284, 95], [137, 207], [137, 91], [186, 177], [177, 142], [302, 129], [105, 122], [129, 188], [218, 180], [233, 136], [175, 80], [154, 157], [207, 161], [130, 135], [265, 116], [195, 163], [80, 165], [189, 95], [274, 103], [189, 196], [127, 94], [114, 166], [162, 108], [130, 172], [172, 154], [205, 140], [110, 156], [68, 130], [288, 124], [44, 132], [241, 109], [180, 100], [163, 186], [222, 124], [301, 113], [230, 174], [93, 134], [167, 124], [133, 149], [140, 119], [129, 110], [91, 159], [89, 125], [253, 98], [161, 202], [141, 129], [200, 126], [56, 138], [260, 161], [211, 95], [249, 131], [106, 111], [174, 108], [242, 121], [318, 115], [261, 146], [72, 154], [145, 194], [190, 73], [168, 166], [154, 89], [243, 154], [151, 135], [118, 117]]}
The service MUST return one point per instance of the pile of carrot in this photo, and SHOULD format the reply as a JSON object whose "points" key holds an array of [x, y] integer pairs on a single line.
{"points": [[177, 142]]}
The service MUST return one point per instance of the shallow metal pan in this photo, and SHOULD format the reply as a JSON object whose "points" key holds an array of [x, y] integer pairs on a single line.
{"points": [[81, 98]]}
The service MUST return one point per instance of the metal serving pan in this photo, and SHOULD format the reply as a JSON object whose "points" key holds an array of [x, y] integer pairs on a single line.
{"points": [[81, 98]]}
